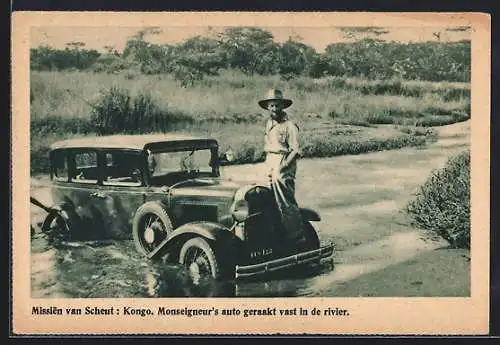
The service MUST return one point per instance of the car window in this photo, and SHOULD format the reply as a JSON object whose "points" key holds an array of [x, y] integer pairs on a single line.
{"points": [[60, 166], [122, 169], [163, 163], [85, 167]]}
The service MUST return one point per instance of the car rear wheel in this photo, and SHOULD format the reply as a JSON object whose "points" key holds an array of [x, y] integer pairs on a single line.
{"points": [[56, 227], [151, 226], [199, 259]]}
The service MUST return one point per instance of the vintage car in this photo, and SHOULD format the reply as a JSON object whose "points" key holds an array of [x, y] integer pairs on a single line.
{"points": [[166, 193]]}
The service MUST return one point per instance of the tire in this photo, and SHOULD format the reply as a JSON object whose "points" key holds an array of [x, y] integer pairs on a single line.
{"points": [[199, 258], [151, 225], [57, 227]]}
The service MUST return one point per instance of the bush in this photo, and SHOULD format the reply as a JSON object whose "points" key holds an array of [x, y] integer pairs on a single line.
{"points": [[116, 111], [443, 203]]}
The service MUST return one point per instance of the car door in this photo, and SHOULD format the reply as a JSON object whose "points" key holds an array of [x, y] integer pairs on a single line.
{"points": [[122, 191], [80, 191]]}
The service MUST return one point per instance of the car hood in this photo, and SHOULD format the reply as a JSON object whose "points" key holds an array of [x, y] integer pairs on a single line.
{"points": [[209, 187]]}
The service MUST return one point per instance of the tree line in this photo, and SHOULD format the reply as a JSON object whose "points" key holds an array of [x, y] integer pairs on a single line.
{"points": [[254, 51]]}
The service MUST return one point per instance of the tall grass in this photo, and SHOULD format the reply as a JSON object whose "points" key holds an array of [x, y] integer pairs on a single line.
{"points": [[234, 96], [429, 110]]}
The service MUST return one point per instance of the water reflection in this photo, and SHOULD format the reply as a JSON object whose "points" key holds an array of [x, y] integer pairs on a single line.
{"points": [[116, 270], [173, 281], [288, 283]]}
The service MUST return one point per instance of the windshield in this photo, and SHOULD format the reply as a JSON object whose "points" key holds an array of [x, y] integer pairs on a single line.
{"points": [[190, 161]]}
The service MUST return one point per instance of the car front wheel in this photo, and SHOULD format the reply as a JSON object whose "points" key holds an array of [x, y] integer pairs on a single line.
{"points": [[199, 259]]}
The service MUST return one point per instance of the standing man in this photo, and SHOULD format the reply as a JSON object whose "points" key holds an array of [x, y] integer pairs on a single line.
{"points": [[281, 145]]}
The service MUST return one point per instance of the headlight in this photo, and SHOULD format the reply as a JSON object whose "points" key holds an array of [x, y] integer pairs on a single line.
{"points": [[239, 210]]}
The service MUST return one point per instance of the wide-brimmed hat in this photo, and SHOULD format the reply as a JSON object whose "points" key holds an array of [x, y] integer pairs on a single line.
{"points": [[275, 95]]}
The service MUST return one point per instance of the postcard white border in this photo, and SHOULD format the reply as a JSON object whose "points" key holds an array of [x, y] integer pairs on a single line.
{"points": [[406, 315]]}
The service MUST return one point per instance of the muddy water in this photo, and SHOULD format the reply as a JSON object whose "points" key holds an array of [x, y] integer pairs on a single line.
{"points": [[360, 199]]}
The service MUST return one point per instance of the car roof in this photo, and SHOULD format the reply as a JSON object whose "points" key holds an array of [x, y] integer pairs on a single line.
{"points": [[132, 142]]}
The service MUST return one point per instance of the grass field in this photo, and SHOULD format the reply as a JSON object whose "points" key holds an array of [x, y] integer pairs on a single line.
{"points": [[233, 95], [337, 116]]}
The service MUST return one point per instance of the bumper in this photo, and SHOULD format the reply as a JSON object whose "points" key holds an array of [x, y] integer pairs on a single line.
{"points": [[313, 256]]}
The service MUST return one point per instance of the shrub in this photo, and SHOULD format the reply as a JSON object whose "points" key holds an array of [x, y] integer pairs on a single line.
{"points": [[116, 111], [111, 110], [443, 202]]}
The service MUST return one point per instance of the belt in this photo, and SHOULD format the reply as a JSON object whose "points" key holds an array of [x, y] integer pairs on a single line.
{"points": [[279, 152]]}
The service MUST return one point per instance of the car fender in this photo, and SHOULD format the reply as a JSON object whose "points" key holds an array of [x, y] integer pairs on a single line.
{"points": [[52, 214], [224, 241], [310, 215]]}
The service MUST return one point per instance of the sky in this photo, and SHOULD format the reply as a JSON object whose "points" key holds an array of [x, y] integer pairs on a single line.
{"points": [[317, 37]]}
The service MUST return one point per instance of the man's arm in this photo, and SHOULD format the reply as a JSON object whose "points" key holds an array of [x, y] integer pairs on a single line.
{"points": [[292, 156], [293, 144], [266, 132]]}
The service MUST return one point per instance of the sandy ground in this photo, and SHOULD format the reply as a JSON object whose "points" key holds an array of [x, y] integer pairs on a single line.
{"points": [[360, 198]]}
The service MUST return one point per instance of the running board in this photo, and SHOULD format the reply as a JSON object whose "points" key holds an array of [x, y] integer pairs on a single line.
{"points": [[286, 262]]}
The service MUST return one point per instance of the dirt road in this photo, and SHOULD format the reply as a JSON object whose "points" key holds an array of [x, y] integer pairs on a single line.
{"points": [[360, 198]]}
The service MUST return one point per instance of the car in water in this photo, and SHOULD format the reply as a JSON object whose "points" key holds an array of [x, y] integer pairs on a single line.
{"points": [[166, 192]]}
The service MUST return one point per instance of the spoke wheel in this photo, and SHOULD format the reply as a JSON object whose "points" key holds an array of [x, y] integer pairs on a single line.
{"points": [[56, 228], [199, 259], [151, 226], [153, 232]]}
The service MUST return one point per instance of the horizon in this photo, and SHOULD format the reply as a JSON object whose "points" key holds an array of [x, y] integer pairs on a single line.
{"points": [[319, 38]]}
